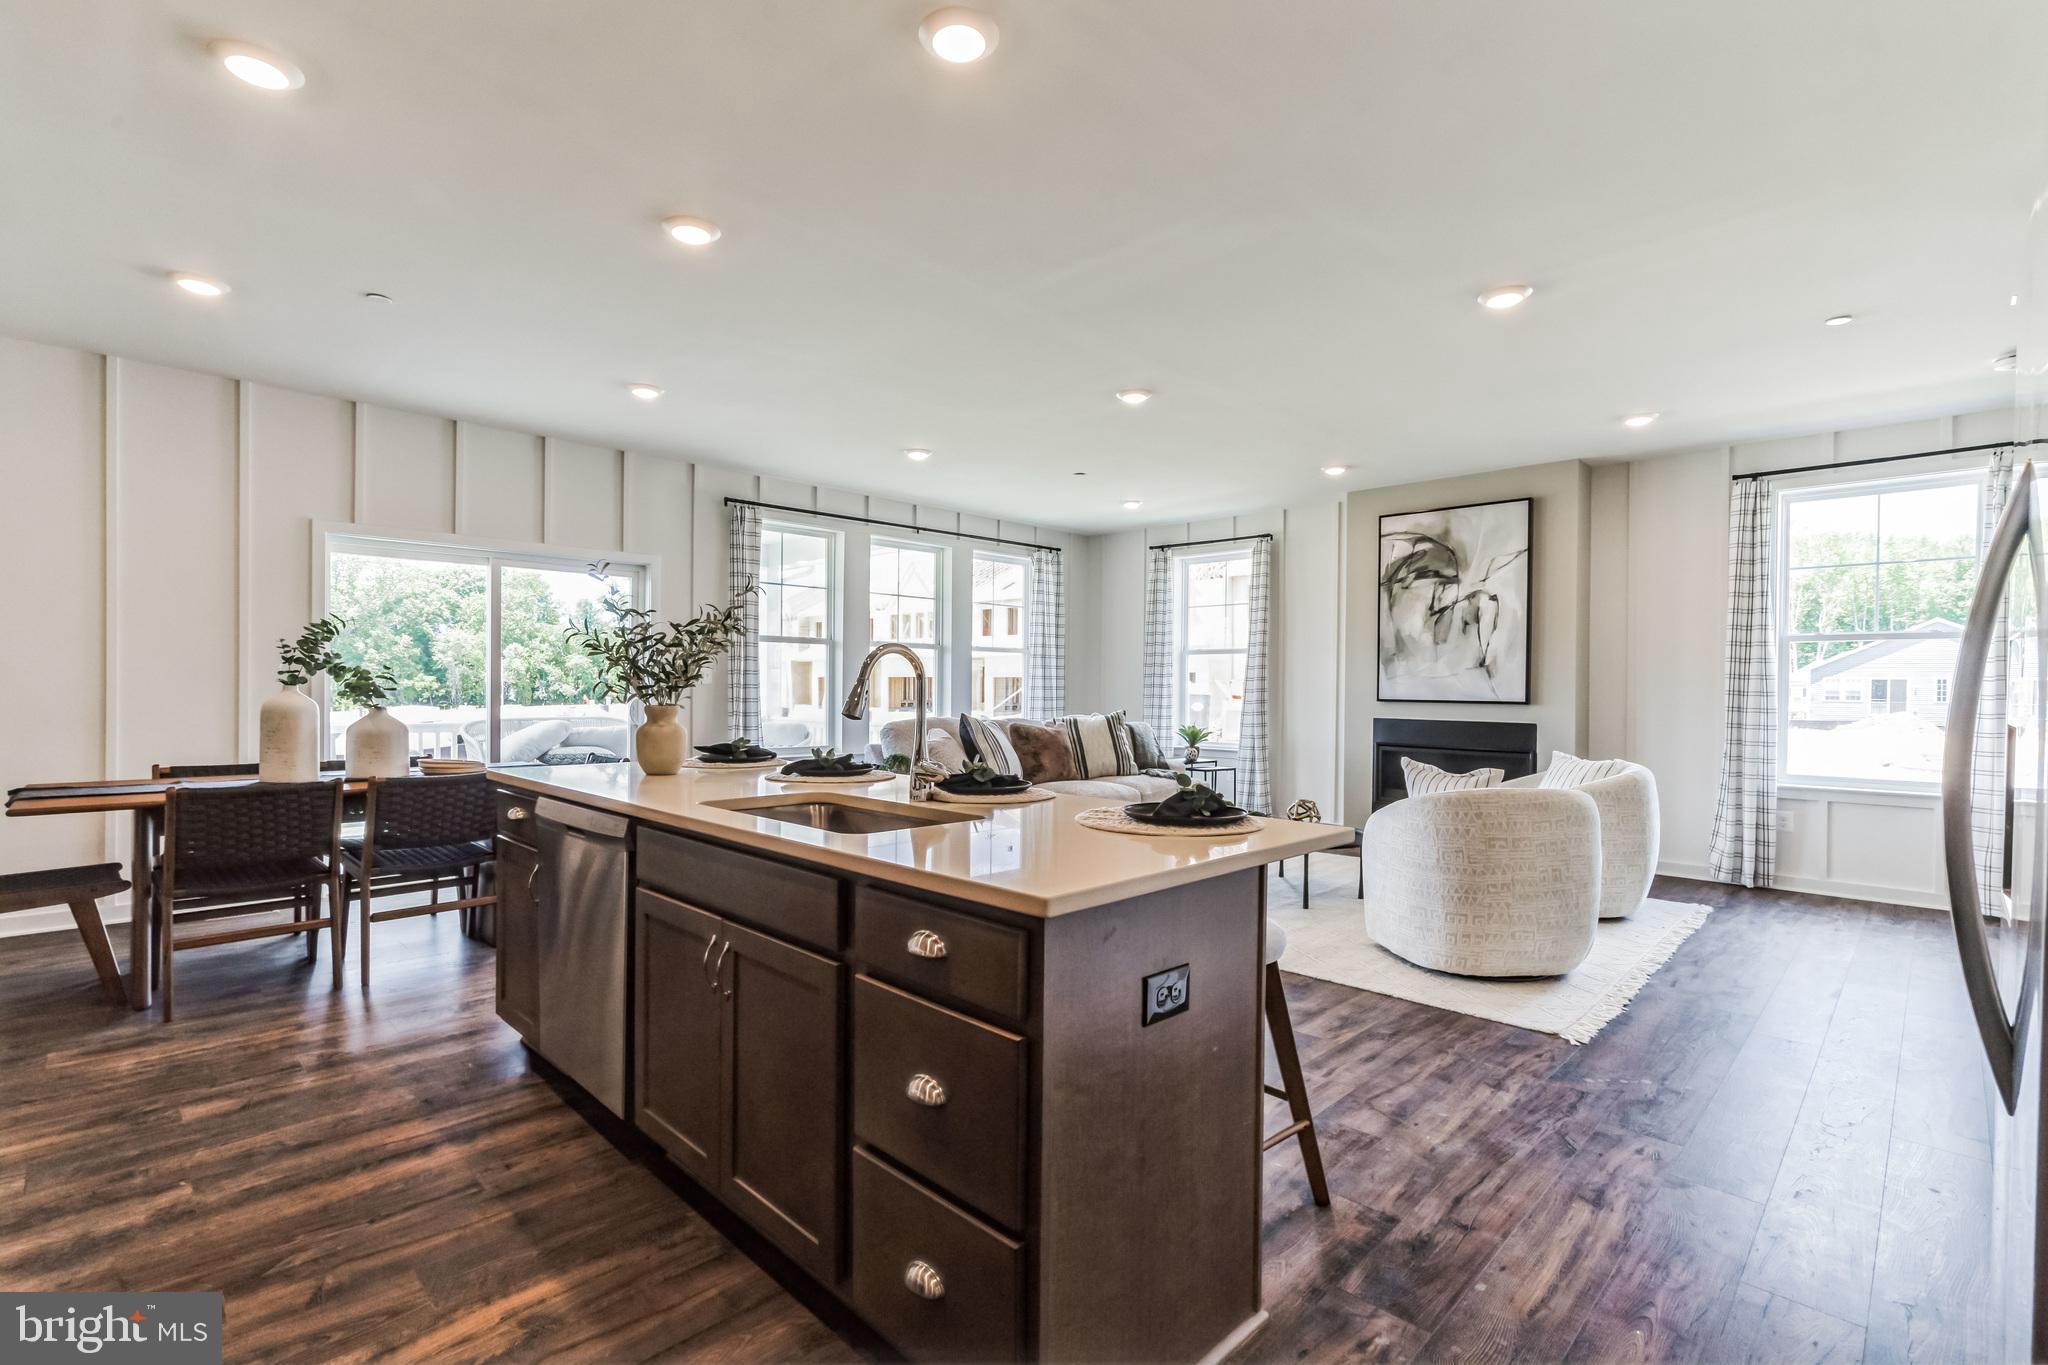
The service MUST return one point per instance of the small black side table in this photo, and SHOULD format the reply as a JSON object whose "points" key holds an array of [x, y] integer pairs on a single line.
{"points": [[1354, 849], [1214, 770]]}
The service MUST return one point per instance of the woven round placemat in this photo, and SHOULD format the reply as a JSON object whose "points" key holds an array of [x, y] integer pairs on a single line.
{"points": [[1113, 820], [878, 775], [1018, 798]]}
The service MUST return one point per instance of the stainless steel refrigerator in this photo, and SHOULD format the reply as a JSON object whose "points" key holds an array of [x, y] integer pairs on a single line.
{"points": [[1998, 932]]}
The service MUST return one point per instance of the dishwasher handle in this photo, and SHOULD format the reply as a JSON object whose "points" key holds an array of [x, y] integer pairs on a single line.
{"points": [[582, 819]]}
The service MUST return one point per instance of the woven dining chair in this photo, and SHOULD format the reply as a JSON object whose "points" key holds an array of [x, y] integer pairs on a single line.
{"points": [[232, 852], [418, 831]]}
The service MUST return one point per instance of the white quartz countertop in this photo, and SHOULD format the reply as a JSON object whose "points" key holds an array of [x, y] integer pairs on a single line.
{"points": [[1035, 859]]}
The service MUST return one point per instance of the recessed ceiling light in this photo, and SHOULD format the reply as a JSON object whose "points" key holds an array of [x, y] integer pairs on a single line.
{"points": [[646, 393], [691, 231], [1134, 397], [1336, 471], [2007, 362], [1641, 419], [919, 454], [199, 285], [957, 35], [1839, 320], [1133, 504], [264, 70], [1506, 296]]}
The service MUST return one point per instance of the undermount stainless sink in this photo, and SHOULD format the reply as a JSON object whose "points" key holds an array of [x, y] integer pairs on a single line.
{"points": [[842, 815]]}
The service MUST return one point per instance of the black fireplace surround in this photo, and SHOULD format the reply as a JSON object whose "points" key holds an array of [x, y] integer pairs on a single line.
{"points": [[1456, 746]]}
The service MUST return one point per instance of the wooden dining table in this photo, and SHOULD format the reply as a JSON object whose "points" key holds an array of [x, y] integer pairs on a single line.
{"points": [[143, 797]]}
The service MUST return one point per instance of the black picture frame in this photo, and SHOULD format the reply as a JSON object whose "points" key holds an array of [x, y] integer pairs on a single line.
{"points": [[1528, 511]]}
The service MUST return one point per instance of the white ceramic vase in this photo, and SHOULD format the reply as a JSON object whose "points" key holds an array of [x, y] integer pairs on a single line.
{"points": [[661, 741], [288, 730], [377, 745]]}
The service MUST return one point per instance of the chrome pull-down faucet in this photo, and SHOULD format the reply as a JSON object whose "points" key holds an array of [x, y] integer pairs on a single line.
{"points": [[923, 772]]}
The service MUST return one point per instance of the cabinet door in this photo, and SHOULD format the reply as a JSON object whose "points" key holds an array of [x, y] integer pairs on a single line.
{"points": [[518, 939], [784, 1166], [680, 1040]]}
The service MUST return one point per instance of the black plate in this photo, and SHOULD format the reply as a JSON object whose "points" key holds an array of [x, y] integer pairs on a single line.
{"points": [[1002, 786], [764, 756], [1143, 812], [797, 769]]}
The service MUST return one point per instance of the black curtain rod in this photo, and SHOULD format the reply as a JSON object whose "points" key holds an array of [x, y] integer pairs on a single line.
{"points": [[897, 525], [1220, 540], [1887, 459]]}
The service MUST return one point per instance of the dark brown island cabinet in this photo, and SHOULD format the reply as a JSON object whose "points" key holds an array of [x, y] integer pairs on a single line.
{"points": [[993, 1135]]}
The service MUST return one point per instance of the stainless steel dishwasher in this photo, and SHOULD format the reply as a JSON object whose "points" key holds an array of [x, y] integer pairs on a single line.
{"points": [[581, 900]]}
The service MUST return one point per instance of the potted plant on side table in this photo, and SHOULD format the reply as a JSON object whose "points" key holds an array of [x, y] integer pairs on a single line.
{"points": [[377, 743], [656, 664], [288, 724], [1192, 736]]}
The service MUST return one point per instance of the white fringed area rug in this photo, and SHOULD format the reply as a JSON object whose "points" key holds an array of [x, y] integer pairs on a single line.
{"points": [[1328, 942]]}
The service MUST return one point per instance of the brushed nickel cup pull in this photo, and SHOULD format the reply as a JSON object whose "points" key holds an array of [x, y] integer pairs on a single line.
{"points": [[925, 943], [926, 1090], [922, 1280], [517, 813]]}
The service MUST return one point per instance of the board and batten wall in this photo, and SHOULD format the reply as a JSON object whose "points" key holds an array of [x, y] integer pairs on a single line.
{"points": [[1669, 515], [1308, 622], [157, 528]]}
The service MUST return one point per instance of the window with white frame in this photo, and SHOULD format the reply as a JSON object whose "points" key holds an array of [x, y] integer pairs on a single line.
{"points": [[997, 625], [798, 632], [1873, 581], [474, 642], [906, 607], [1211, 636]]}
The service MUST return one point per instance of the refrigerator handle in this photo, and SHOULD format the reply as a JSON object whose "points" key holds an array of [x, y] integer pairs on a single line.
{"points": [[2000, 1034]]}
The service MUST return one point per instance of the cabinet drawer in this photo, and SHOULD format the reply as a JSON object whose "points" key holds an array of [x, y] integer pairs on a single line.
{"points": [[964, 1131], [983, 965], [787, 901], [901, 1229], [515, 817]]}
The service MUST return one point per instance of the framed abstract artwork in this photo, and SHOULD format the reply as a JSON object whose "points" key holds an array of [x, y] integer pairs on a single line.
{"points": [[1454, 604]]}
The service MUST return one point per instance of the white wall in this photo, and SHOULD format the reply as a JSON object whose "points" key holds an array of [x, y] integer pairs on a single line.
{"points": [[1306, 750], [1670, 513], [157, 532]]}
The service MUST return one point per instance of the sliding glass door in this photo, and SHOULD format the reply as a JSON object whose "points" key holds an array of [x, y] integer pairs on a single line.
{"points": [[478, 646]]}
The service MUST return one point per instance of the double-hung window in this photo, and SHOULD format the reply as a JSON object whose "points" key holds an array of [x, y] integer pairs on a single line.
{"points": [[1212, 634], [997, 624], [905, 607], [474, 640], [798, 632], [1873, 581]]}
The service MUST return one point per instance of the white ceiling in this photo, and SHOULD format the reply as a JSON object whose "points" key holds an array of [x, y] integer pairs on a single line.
{"points": [[1276, 216]]}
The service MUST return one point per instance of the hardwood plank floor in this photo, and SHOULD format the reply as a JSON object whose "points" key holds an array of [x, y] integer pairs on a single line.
{"points": [[1777, 1154]]}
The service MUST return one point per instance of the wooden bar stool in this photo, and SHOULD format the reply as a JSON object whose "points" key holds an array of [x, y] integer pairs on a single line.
{"points": [[80, 888], [1280, 1029]]}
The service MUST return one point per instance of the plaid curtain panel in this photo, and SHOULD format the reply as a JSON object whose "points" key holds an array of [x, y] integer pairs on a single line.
{"points": [[1045, 645], [743, 665], [1987, 745], [1159, 643], [1252, 760], [1744, 847]]}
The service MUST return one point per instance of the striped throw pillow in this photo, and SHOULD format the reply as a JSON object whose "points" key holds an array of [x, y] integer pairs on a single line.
{"points": [[1101, 744], [987, 742], [1423, 780], [1567, 771]]}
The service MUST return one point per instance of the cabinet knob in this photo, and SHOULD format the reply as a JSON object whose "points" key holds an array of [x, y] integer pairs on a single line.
{"points": [[926, 1090], [922, 1280], [517, 813], [925, 943]]}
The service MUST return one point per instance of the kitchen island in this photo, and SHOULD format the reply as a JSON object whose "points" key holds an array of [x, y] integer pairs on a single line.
{"points": [[990, 1077]]}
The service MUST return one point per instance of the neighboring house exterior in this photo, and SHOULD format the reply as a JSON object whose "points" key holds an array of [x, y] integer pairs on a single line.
{"points": [[1885, 677]]}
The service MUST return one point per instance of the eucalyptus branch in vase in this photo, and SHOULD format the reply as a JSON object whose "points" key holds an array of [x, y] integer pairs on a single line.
{"points": [[656, 663]]}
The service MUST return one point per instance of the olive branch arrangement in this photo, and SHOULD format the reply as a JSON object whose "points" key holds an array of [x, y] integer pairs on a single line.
{"points": [[641, 659]]}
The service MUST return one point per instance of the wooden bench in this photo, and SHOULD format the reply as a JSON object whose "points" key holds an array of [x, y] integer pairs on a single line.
{"points": [[80, 888]]}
